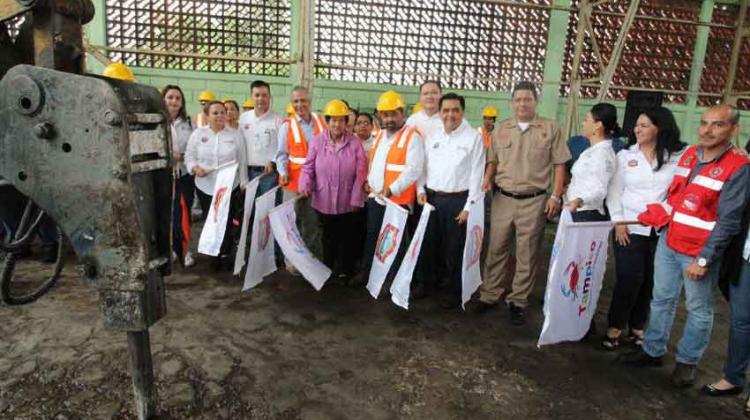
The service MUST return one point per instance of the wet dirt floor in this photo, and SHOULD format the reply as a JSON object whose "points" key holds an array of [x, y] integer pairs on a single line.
{"points": [[284, 351]]}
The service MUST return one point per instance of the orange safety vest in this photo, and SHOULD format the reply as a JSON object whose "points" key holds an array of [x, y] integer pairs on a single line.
{"points": [[486, 136], [695, 202], [296, 145], [200, 120], [395, 163]]}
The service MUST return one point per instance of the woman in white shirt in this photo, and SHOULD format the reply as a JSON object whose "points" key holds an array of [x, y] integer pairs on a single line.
{"points": [[184, 190], [644, 171], [212, 147], [595, 167], [233, 114]]}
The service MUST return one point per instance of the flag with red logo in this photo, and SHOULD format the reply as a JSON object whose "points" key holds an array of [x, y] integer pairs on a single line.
{"points": [[250, 190], [401, 287], [471, 275], [574, 279], [216, 222], [283, 221], [386, 249], [261, 261]]}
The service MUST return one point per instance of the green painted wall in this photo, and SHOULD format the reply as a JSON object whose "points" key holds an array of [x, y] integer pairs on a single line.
{"points": [[364, 96]]}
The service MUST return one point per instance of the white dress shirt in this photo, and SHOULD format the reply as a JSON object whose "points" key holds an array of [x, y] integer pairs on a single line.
{"points": [[211, 150], [591, 175], [412, 172], [454, 162], [427, 125], [181, 131], [637, 184], [261, 136]]}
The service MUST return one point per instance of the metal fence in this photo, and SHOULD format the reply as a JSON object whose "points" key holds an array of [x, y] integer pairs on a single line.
{"points": [[234, 36]]}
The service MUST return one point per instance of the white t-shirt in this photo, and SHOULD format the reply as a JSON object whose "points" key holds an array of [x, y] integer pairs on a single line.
{"points": [[260, 135]]}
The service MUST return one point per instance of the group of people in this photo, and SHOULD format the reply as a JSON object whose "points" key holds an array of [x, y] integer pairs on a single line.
{"points": [[677, 207]]}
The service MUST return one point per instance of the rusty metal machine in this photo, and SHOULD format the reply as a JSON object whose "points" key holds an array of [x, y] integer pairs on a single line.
{"points": [[93, 154]]}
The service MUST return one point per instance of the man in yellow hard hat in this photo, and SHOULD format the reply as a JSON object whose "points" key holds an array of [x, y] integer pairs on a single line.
{"points": [[289, 110], [489, 116], [201, 119], [396, 163], [427, 120], [118, 71], [249, 105]]}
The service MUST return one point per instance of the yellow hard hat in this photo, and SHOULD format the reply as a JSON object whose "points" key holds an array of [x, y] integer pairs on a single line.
{"points": [[336, 108], [417, 107], [118, 71], [390, 101], [206, 95], [290, 109], [489, 112], [249, 103]]}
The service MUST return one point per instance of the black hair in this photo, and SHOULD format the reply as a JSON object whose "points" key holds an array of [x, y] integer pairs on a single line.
{"points": [[524, 85], [212, 103], [607, 115], [233, 102], [366, 115], [452, 97], [434, 82], [260, 84], [182, 113], [668, 134]]}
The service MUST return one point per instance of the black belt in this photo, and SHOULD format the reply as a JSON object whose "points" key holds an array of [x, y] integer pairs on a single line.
{"points": [[522, 196], [462, 194]]}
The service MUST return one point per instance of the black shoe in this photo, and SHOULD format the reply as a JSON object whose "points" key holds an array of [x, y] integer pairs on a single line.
{"points": [[517, 315], [683, 375], [639, 358], [479, 307], [712, 391]]}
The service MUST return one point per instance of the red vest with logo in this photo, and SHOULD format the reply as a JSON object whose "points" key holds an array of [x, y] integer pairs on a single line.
{"points": [[695, 202], [296, 144]]}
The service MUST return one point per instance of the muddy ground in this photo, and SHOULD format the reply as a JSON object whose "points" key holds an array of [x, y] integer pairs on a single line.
{"points": [[284, 351]]}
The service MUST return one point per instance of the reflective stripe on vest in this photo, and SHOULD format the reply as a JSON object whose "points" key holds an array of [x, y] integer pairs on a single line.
{"points": [[297, 148], [692, 221]]}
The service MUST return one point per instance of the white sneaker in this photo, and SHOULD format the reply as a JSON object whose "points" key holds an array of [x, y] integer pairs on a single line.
{"points": [[189, 261]]}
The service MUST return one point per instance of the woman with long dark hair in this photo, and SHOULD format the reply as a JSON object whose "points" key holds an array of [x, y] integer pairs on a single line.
{"points": [[184, 189], [595, 167], [644, 171]]}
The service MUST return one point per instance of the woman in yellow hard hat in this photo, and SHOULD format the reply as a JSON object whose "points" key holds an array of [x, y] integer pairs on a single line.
{"points": [[201, 118], [333, 177], [118, 71]]}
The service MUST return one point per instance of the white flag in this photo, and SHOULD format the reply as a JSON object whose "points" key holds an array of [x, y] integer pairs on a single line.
{"points": [[284, 225], [250, 190], [471, 276], [216, 222], [401, 287], [386, 249], [574, 280], [262, 261]]}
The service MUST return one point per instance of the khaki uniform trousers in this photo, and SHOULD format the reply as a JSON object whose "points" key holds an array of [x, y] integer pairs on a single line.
{"points": [[525, 218]]}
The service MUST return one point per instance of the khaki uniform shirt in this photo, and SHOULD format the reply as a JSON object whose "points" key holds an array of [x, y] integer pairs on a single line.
{"points": [[524, 159]]}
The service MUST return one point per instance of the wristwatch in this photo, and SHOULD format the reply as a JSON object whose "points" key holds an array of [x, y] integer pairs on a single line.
{"points": [[702, 262]]}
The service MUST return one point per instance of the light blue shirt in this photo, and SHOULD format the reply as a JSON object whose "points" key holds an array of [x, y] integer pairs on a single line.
{"points": [[282, 156]]}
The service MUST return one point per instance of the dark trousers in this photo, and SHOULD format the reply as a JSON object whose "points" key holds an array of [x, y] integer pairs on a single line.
{"points": [[442, 254], [184, 189], [634, 268], [375, 214], [234, 221], [359, 231], [339, 241]]}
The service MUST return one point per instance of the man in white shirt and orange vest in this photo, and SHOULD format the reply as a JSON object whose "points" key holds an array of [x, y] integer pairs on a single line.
{"points": [[489, 116], [201, 119], [703, 212], [396, 163], [452, 179], [294, 135]]}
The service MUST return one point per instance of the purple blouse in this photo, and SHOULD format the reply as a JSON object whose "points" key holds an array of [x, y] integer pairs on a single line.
{"points": [[334, 174]]}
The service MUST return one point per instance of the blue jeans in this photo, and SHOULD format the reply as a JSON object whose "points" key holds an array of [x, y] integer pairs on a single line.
{"points": [[738, 350], [266, 181], [669, 279]]}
